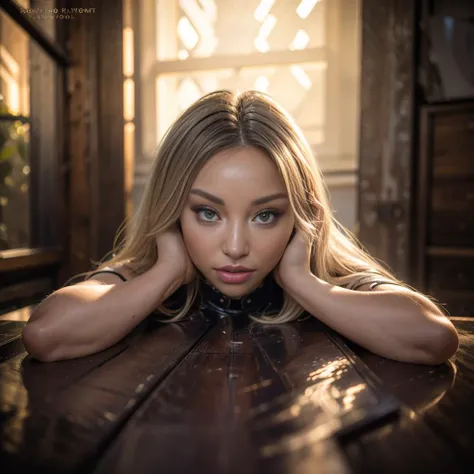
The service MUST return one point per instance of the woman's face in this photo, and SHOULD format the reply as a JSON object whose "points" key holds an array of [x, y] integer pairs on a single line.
{"points": [[222, 225]]}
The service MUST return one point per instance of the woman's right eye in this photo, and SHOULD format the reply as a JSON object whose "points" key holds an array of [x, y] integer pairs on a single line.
{"points": [[204, 214]]}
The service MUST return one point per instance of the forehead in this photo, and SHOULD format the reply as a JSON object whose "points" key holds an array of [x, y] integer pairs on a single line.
{"points": [[246, 165]]}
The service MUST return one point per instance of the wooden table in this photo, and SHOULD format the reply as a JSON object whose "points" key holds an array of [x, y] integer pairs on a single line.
{"points": [[224, 397]]}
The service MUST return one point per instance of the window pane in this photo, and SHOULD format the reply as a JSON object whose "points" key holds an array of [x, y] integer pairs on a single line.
{"points": [[14, 184], [204, 28], [175, 92], [29, 153], [14, 136], [14, 55]]}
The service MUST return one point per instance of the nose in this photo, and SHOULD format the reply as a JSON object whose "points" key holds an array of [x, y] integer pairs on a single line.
{"points": [[236, 244]]}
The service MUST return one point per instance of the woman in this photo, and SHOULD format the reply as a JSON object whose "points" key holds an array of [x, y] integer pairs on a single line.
{"points": [[235, 218]]}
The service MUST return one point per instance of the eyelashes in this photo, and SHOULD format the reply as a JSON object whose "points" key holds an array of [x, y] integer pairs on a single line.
{"points": [[200, 209]]}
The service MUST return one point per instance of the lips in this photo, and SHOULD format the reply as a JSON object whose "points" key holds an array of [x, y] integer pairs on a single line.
{"points": [[234, 269], [234, 277]]}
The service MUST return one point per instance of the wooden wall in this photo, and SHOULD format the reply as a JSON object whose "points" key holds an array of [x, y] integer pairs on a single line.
{"points": [[386, 132]]}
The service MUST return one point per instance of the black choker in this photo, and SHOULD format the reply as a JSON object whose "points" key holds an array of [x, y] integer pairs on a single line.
{"points": [[266, 299]]}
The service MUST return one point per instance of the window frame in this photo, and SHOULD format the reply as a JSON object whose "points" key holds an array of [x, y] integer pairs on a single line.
{"points": [[22, 268]]}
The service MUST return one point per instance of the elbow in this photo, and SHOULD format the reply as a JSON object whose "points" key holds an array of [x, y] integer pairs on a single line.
{"points": [[38, 342], [444, 343]]}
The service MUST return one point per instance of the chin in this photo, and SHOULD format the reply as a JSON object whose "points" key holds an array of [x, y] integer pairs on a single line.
{"points": [[234, 290]]}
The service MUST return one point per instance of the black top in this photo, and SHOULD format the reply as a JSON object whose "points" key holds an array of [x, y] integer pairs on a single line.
{"points": [[108, 270], [265, 299]]}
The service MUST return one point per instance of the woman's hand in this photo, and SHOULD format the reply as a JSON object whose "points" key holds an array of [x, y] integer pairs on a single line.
{"points": [[173, 254], [295, 261]]}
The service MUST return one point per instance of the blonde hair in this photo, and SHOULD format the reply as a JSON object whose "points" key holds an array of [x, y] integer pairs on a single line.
{"points": [[223, 120]]}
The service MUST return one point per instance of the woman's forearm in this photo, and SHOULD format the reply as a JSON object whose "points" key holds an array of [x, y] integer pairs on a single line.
{"points": [[390, 324], [83, 319]]}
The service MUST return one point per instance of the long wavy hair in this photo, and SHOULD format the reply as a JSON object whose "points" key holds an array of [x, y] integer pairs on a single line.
{"points": [[223, 120]]}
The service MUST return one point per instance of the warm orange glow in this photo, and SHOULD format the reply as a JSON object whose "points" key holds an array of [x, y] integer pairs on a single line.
{"points": [[128, 58], [129, 165], [128, 99]]}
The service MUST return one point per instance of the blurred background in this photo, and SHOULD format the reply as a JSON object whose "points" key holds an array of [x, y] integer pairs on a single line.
{"points": [[383, 91]]}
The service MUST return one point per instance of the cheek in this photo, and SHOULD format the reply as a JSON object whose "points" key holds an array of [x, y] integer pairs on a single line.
{"points": [[196, 247], [271, 249], [196, 242]]}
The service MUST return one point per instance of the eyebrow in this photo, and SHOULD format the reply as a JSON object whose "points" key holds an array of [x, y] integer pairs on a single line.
{"points": [[221, 202]]}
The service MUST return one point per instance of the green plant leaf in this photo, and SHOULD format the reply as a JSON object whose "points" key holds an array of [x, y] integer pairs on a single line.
{"points": [[7, 152]]}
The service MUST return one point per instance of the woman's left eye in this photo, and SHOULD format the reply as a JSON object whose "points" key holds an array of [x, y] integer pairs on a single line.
{"points": [[269, 213]]}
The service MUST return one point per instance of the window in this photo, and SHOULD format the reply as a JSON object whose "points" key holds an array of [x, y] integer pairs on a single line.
{"points": [[32, 119], [14, 136], [303, 53]]}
